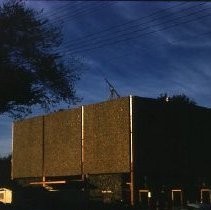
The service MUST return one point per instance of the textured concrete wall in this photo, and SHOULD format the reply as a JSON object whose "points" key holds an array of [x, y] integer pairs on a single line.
{"points": [[106, 141], [106, 137], [27, 148], [63, 143]]}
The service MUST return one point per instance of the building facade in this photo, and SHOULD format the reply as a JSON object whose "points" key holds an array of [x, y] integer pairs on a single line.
{"points": [[131, 149]]}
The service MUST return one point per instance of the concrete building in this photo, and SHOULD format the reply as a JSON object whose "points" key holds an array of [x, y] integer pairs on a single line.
{"points": [[132, 149]]}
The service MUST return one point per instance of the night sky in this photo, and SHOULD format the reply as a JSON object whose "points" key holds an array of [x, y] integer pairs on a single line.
{"points": [[143, 48]]}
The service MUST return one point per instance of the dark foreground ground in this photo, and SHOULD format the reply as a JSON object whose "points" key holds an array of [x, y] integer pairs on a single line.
{"points": [[53, 206], [38, 199]]}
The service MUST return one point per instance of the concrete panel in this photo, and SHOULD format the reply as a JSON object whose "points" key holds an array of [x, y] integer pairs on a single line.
{"points": [[106, 137], [27, 148], [63, 143]]}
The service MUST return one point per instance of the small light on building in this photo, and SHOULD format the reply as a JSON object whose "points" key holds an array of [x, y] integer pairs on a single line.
{"points": [[149, 195], [107, 191]]}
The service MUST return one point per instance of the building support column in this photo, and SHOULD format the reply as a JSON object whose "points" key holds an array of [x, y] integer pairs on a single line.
{"points": [[43, 152], [131, 154], [82, 143]]}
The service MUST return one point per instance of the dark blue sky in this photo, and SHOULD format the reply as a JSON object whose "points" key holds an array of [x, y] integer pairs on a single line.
{"points": [[143, 48]]}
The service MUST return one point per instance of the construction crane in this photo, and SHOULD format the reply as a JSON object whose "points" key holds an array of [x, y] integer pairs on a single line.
{"points": [[113, 93]]}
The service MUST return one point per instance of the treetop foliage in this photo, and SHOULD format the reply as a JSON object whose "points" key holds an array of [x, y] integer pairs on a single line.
{"points": [[180, 99], [32, 69]]}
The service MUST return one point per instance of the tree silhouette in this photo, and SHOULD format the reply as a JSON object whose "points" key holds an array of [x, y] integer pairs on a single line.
{"points": [[32, 71], [181, 100], [5, 170]]}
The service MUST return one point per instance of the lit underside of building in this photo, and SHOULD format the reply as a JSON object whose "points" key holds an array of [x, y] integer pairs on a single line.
{"points": [[131, 149]]}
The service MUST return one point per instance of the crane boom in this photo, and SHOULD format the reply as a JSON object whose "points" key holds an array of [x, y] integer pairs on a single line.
{"points": [[113, 93]]}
